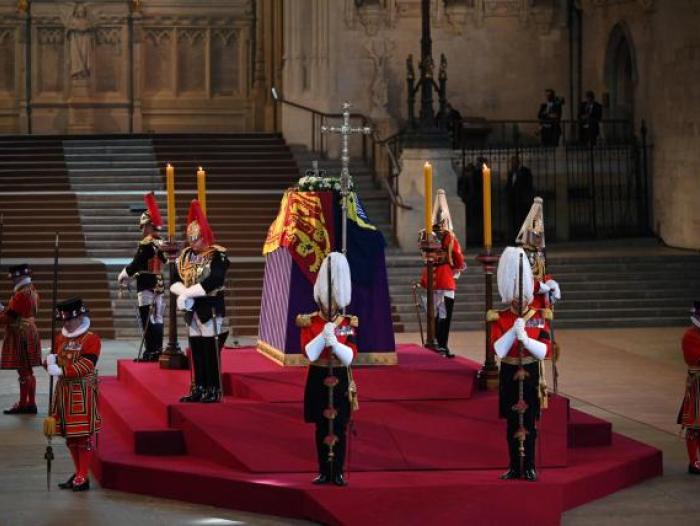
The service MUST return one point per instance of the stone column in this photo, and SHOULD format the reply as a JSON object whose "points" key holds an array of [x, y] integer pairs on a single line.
{"points": [[409, 222]]}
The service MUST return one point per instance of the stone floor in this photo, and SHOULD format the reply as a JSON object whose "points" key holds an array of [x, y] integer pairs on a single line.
{"points": [[632, 377]]}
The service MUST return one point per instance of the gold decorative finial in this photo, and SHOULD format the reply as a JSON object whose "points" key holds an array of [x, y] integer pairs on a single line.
{"points": [[22, 6]]}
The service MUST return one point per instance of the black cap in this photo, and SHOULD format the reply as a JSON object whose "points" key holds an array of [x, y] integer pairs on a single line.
{"points": [[70, 309], [17, 271]]}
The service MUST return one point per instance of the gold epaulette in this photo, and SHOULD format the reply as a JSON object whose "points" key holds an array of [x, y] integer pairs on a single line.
{"points": [[492, 315], [218, 247], [354, 321], [548, 314], [147, 240], [304, 320]]}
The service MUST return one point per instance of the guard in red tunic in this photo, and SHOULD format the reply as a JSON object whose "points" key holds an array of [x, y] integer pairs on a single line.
{"points": [[531, 239], [689, 414], [448, 267], [146, 267], [74, 411], [328, 339], [21, 348], [520, 338]]}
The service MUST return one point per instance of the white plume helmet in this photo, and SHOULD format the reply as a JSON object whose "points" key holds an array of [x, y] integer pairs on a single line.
{"points": [[531, 235], [340, 281], [507, 276], [441, 212]]}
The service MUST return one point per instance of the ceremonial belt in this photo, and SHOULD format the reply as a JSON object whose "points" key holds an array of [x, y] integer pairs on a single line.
{"points": [[88, 379], [31, 319], [526, 360], [323, 362], [694, 371]]}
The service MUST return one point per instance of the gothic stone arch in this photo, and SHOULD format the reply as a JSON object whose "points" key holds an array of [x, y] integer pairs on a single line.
{"points": [[621, 74]]}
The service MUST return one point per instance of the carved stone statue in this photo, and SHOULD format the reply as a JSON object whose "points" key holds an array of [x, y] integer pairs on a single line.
{"points": [[378, 51], [79, 34]]}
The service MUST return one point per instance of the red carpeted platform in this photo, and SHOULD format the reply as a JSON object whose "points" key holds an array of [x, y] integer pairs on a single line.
{"points": [[427, 446]]}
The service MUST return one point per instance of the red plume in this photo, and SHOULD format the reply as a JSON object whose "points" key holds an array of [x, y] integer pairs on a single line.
{"points": [[153, 210], [195, 214]]}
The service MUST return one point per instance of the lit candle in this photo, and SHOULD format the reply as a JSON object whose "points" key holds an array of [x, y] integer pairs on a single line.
{"points": [[428, 177], [202, 189], [486, 172], [170, 186]]}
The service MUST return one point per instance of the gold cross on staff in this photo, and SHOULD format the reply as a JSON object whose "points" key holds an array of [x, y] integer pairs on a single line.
{"points": [[345, 131]]}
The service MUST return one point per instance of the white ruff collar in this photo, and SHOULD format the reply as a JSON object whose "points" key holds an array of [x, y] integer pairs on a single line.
{"points": [[24, 281], [84, 326]]}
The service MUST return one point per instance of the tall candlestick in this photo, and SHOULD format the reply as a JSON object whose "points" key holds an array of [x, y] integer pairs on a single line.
{"points": [[486, 172], [170, 186], [428, 177], [202, 189]]}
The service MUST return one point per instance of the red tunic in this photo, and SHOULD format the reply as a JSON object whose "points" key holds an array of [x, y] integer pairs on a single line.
{"points": [[451, 262], [21, 348], [345, 332], [75, 398], [541, 301], [315, 392], [689, 414], [535, 326]]}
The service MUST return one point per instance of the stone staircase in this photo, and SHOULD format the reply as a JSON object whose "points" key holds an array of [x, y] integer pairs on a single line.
{"points": [[606, 291]]}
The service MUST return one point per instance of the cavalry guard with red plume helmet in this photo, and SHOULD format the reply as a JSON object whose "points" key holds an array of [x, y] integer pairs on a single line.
{"points": [[329, 342], [520, 338], [74, 412], [146, 267], [689, 414], [199, 286], [21, 347], [447, 268]]}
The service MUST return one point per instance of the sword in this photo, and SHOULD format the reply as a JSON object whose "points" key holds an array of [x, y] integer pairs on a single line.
{"points": [[50, 422], [330, 382], [555, 355], [418, 313], [220, 391], [521, 377]]}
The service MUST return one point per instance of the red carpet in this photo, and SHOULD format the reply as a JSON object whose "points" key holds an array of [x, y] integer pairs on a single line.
{"points": [[428, 448]]}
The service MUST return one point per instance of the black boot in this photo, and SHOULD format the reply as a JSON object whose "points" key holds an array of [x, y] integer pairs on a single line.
{"points": [[68, 484], [154, 344], [212, 379], [197, 389], [323, 476], [530, 473]]}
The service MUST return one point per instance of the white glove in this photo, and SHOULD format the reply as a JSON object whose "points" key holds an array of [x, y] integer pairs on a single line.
{"points": [[519, 329], [343, 352], [123, 277], [329, 334], [54, 370], [315, 347], [554, 289], [51, 359], [536, 348], [195, 291], [503, 345], [184, 302], [544, 288], [456, 275], [178, 288]]}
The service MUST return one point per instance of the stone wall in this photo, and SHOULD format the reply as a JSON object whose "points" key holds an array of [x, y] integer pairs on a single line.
{"points": [[665, 52], [501, 55], [120, 66]]}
